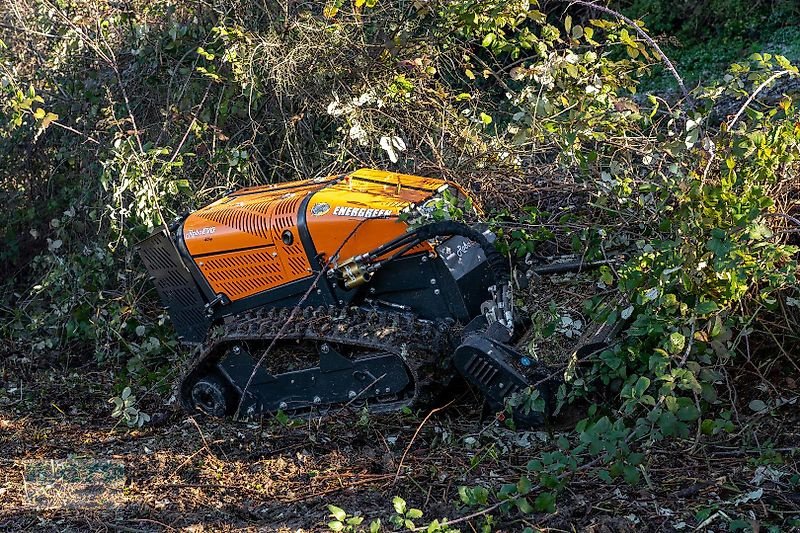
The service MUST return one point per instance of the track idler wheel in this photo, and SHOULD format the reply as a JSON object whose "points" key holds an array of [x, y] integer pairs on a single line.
{"points": [[211, 396]]}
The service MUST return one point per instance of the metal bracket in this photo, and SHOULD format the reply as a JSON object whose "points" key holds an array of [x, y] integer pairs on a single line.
{"points": [[219, 299], [332, 361]]}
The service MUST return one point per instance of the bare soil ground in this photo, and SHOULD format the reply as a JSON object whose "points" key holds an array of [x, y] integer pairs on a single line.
{"points": [[182, 473]]}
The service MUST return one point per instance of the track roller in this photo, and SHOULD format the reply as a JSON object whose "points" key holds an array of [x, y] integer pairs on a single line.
{"points": [[212, 397]]}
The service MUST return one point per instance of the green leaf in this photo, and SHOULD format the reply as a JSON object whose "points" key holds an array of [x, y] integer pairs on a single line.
{"points": [[523, 505], [688, 413], [739, 525], [488, 40], [607, 277], [545, 502], [335, 525], [708, 392], [676, 342], [399, 505], [524, 485], [704, 308], [506, 490], [702, 514], [182, 185], [641, 385], [480, 495], [202, 52], [330, 11], [716, 327], [337, 512], [757, 406], [282, 417], [375, 526], [670, 425], [759, 232], [414, 513], [630, 474], [486, 119]]}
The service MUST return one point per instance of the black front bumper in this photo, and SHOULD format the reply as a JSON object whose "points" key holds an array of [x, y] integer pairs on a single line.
{"points": [[178, 290]]}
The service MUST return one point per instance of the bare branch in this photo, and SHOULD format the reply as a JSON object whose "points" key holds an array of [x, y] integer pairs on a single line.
{"points": [[643, 34], [755, 93]]}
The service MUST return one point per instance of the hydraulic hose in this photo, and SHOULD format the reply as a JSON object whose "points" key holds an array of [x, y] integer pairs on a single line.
{"points": [[357, 269]]}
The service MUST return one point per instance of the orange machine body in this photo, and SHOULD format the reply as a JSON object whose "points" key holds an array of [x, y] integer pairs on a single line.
{"points": [[259, 238]]}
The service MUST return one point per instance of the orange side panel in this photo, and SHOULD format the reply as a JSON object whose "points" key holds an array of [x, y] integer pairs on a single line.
{"points": [[228, 238], [361, 201], [241, 274]]}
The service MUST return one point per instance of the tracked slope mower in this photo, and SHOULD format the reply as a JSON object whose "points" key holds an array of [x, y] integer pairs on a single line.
{"points": [[343, 291]]}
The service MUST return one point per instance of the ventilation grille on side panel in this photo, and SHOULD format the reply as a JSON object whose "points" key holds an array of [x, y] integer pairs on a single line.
{"points": [[284, 217], [267, 217], [247, 220], [240, 274], [285, 214], [176, 288]]}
